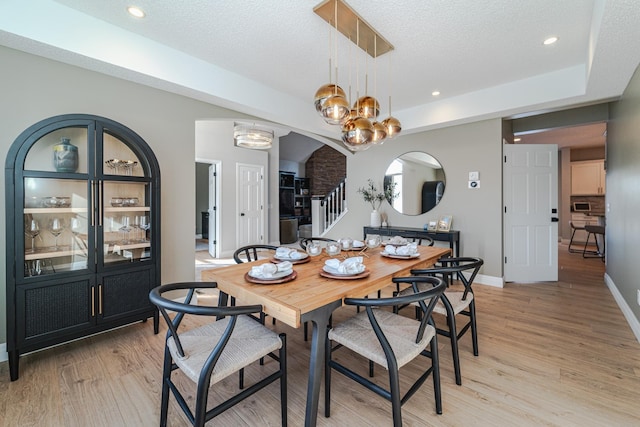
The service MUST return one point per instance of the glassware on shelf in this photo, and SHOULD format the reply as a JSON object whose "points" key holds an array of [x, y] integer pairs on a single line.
{"points": [[144, 225], [56, 202], [126, 166], [56, 227], [125, 228], [32, 229], [77, 228]]}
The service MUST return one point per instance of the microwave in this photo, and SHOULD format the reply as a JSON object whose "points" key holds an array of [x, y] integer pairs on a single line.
{"points": [[581, 207]]}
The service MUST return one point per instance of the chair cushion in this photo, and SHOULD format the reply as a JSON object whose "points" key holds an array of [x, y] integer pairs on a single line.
{"points": [[357, 334], [249, 342], [455, 298]]}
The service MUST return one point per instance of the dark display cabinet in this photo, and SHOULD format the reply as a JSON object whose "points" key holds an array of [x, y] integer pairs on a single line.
{"points": [[295, 201], [83, 232]]}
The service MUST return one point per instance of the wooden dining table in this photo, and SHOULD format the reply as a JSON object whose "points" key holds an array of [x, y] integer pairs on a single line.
{"points": [[311, 297]]}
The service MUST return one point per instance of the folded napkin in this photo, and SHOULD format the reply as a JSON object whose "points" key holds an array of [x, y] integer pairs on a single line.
{"points": [[408, 249], [268, 270], [288, 253], [358, 244], [397, 240], [351, 265]]}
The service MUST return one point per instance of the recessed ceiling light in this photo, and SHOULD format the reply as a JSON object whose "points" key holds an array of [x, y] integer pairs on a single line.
{"points": [[550, 40], [135, 11], [435, 93]]}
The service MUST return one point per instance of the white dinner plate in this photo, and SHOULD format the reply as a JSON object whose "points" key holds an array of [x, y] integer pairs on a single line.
{"points": [[416, 255], [335, 272], [275, 276], [303, 255]]}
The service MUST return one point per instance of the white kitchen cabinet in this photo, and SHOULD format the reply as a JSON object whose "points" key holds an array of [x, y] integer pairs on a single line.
{"points": [[588, 178]]}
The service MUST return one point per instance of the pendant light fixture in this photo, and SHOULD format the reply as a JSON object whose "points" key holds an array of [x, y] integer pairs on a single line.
{"points": [[359, 124], [252, 136]]}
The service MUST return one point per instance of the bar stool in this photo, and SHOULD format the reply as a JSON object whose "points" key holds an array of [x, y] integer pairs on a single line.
{"points": [[574, 228], [596, 230]]}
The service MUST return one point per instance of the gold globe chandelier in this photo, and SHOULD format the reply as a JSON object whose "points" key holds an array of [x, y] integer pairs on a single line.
{"points": [[358, 121]]}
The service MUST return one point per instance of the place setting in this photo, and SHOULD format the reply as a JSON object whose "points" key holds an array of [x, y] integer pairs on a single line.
{"points": [[400, 248], [292, 255], [350, 268], [271, 274]]}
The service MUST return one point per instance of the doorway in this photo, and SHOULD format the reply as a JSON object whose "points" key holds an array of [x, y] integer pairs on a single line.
{"points": [[207, 202]]}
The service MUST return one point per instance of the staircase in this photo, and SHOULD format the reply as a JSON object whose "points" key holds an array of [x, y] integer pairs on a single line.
{"points": [[328, 210]]}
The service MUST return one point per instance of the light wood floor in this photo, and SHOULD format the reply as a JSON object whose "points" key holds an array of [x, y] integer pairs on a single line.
{"points": [[554, 354]]}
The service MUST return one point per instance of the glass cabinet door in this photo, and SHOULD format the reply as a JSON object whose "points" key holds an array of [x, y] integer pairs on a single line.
{"points": [[56, 226], [126, 222]]}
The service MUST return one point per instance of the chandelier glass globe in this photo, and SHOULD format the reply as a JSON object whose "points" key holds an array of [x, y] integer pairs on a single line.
{"points": [[325, 92], [368, 107], [335, 110], [357, 134], [393, 127]]}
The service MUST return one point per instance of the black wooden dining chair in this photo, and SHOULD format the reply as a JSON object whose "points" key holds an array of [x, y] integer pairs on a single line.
{"points": [[208, 354], [455, 301], [390, 340], [306, 240], [253, 253]]}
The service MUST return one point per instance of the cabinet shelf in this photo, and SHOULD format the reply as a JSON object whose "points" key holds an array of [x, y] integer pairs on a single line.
{"points": [[55, 210], [128, 209], [46, 253]]}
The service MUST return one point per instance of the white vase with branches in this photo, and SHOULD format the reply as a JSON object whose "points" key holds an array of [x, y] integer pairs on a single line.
{"points": [[372, 195]]}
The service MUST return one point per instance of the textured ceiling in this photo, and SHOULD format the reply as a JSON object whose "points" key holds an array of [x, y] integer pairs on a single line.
{"points": [[267, 57]]}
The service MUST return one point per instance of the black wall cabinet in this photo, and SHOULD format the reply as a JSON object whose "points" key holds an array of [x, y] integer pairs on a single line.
{"points": [[83, 232]]}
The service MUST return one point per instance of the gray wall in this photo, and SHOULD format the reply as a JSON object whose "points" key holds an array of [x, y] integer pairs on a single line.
{"points": [[623, 194], [202, 193], [34, 88], [460, 149]]}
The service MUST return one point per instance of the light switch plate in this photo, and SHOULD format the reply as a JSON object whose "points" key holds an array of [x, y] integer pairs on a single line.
{"points": [[474, 176]]}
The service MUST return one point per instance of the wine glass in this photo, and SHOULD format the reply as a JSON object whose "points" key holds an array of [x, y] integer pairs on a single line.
{"points": [[333, 248], [145, 225], [125, 228], [373, 241], [32, 228], [314, 248], [136, 228], [56, 227]]}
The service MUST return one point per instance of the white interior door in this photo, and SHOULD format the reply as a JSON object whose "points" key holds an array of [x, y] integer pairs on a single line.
{"points": [[213, 210], [530, 175], [250, 196]]}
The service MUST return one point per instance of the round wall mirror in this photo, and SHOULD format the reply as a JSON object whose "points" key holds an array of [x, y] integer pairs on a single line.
{"points": [[419, 183]]}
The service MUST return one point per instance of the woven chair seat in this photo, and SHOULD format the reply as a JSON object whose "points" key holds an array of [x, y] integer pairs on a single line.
{"points": [[454, 297], [249, 342], [357, 334]]}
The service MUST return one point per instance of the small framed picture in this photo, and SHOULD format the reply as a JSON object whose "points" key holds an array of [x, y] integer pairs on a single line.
{"points": [[432, 226], [444, 223]]}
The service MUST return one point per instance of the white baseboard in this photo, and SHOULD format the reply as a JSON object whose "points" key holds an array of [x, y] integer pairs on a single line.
{"points": [[483, 279], [4, 356], [634, 323]]}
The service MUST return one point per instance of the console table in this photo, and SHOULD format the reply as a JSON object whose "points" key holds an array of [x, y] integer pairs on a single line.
{"points": [[453, 236]]}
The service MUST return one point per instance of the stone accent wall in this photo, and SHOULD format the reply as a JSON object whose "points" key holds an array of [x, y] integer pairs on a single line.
{"points": [[326, 168]]}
